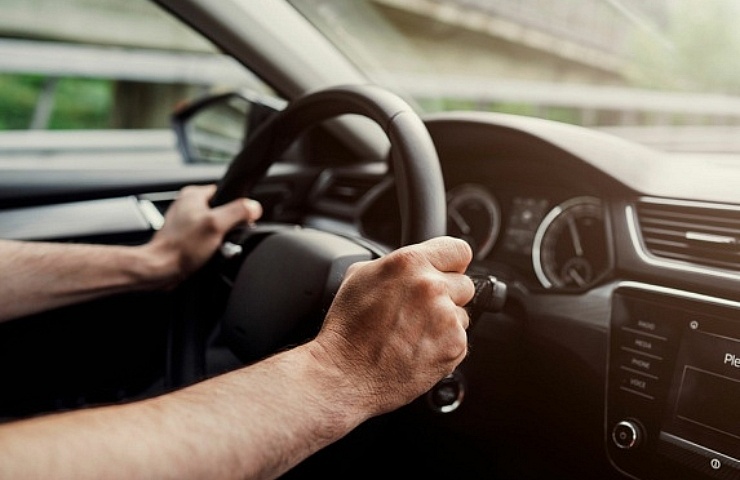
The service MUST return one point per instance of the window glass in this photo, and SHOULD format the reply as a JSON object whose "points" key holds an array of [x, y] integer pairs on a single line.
{"points": [[74, 72]]}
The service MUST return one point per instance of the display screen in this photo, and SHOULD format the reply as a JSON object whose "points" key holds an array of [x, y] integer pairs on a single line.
{"points": [[526, 215], [710, 400], [704, 402]]}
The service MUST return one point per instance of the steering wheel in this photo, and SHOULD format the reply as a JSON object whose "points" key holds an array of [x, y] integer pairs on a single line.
{"points": [[286, 282]]}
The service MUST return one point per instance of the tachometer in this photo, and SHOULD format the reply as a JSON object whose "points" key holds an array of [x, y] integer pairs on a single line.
{"points": [[473, 214], [570, 246]]}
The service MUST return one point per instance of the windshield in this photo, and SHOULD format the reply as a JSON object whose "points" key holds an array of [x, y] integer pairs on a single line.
{"points": [[663, 72]]}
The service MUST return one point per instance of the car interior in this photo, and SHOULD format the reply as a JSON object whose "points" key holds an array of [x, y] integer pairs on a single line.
{"points": [[608, 342]]}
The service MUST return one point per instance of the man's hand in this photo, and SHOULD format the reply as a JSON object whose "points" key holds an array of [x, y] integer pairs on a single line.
{"points": [[397, 325], [193, 230], [47, 275]]}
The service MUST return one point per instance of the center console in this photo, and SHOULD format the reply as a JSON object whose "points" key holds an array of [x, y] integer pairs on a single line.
{"points": [[673, 391]]}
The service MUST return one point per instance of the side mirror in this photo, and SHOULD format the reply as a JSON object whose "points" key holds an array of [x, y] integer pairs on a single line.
{"points": [[215, 128]]}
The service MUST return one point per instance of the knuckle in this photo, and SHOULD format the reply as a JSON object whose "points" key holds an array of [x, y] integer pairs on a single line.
{"points": [[354, 268], [402, 260], [430, 287], [459, 342], [454, 348]]}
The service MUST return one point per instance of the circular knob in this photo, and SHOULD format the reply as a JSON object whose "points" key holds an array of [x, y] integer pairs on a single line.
{"points": [[627, 434]]}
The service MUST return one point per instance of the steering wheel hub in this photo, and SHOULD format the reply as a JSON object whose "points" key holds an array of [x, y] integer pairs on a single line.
{"points": [[284, 288]]}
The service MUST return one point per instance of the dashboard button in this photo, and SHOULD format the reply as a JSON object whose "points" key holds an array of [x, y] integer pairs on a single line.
{"points": [[710, 462], [641, 363], [639, 384], [646, 325], [644, 343], [627, 434]]}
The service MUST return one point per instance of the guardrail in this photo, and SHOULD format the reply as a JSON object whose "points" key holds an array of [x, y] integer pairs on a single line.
{"points": [[91, 149], [629, 102], [58, 59]]}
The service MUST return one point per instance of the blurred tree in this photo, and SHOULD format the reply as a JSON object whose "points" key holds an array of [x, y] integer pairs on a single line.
{"points": [[697, 49]]}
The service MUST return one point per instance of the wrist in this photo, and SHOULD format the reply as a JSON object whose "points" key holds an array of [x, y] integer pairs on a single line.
{"points": [[159, 266], [348, 404]]}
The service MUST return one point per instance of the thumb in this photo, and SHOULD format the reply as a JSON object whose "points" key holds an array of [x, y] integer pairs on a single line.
{"points": [[227, 216]]}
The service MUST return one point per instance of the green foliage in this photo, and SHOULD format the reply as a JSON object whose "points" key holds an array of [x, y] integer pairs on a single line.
{"points": [[18, 94], [78, 103], [82, 104]]}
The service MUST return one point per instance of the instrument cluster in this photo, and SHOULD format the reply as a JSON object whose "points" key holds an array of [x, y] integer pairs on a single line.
{"points": [[560, 244]]}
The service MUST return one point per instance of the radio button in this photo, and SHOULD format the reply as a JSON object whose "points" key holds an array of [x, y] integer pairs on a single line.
{"points": [[646, 323]]}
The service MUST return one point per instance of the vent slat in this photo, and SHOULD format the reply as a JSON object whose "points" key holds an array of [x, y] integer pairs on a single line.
{"points": [[688, 227], [656, 232], [699, 235], [665, 243], [708, 254], [698, 217], [729, 265]]}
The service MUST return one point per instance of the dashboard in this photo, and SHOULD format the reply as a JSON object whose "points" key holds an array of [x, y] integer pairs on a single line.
{"points": [[623, 317], [616, 355]]}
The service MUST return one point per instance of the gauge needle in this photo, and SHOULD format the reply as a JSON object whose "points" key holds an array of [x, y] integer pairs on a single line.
{"points": [[575, 236], [577, 277], [460, 221]]}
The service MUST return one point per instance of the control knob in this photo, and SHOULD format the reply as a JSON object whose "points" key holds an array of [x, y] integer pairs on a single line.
{"points": [[627, 434]]}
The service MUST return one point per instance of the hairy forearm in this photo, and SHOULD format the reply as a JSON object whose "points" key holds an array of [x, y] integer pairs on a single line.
{"points": [[255, 422], [38, 276]]}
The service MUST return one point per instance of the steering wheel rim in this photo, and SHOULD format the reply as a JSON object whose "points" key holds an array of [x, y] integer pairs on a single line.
{"points": [[419, 181], [419, 186]]}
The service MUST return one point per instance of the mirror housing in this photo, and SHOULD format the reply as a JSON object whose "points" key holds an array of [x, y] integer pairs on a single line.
{"points": [[213, 129]]}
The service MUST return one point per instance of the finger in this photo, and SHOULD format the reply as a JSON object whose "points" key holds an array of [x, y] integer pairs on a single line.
{"points": [[460, 287], [203, 192], [229, 215], [462, 317], [448, 254]]}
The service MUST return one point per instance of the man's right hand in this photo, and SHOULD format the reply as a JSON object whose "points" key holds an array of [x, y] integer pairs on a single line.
{"points": [[398, 324]]}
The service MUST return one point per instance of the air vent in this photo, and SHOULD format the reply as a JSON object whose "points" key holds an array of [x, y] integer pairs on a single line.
{"points": [[707, 235], [347, 189]]}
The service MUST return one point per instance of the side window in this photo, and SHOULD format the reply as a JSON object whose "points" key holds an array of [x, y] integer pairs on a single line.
{"points": [[79, 73]]}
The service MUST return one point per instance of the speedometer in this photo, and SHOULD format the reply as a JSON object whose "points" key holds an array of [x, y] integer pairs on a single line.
{"points": [[473, 214], [570, 246]]}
